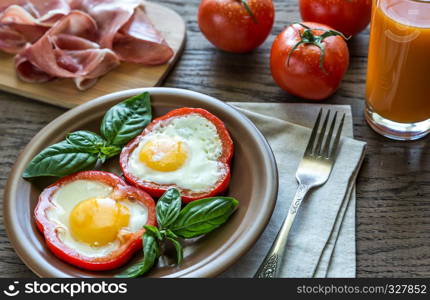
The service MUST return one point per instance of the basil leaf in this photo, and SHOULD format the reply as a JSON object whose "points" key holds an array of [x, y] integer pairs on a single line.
{"points": [[154, 230], [168, 207], [126, 120], [151, 251], [179, 250], [110, 151], [60, 159], [87, 140], [170, 233], [202, 216]]}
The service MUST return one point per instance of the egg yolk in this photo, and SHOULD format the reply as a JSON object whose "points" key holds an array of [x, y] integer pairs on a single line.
{"points": [[163, 155], [97, 221]]}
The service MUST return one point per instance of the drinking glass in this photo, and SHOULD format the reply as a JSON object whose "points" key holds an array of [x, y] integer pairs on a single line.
{"points": [[398, 73]]}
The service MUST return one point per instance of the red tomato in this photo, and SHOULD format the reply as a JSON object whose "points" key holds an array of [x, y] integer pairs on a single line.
{"points": [[155, 189], [130, 243], [309, 62], [236, 25], [348, 16]]}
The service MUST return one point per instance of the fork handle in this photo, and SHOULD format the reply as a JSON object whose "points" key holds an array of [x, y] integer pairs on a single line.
{"points": [[271, 264]]}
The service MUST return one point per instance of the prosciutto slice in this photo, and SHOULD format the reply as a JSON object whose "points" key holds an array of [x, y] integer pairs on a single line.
{"points": [[69, 50], [139, 42], [25, 21], [125, 28], [78, 39]]}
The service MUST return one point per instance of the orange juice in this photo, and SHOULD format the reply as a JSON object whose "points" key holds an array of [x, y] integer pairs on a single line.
{"points": [[398, 74]]}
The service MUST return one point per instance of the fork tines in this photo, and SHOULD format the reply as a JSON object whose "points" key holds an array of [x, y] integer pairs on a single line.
{"points": [[321, 144]]}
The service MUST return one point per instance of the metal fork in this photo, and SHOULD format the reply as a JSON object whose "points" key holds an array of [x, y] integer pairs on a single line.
{"points": [[314, 170]]}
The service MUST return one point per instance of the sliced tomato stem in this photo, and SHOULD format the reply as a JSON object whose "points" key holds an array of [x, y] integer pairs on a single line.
{"points": [[308, 37], [249, 10]]}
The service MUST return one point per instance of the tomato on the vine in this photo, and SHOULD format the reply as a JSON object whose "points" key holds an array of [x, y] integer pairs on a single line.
{"points": [[309, 60], [236, 25], [348, 16]]}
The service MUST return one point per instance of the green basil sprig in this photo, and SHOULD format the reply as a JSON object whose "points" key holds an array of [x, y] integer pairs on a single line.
{"points": [[179, 249], [126, 120], [151, 251], [168, 208], [196, 218], [60, 159], [202, 216], [86, 140], [82, 150]]}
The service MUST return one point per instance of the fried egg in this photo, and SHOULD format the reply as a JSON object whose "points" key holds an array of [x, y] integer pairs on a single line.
{"points": [[91, 220], [181, 151]]}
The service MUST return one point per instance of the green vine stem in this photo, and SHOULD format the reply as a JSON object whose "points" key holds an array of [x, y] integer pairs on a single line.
{"points": [[308, 37], [249, 10]]}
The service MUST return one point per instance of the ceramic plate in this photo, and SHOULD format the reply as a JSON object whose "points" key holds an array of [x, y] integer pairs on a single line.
{"points": [[254, 183]]}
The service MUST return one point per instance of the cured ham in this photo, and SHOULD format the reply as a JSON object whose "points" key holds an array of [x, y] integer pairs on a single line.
{"points": [[45, 12], [125, 28], [110, 15], [69, 51], [25, 21], [138, 41], [78, 39]]}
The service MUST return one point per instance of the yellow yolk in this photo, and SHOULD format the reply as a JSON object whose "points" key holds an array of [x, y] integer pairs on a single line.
{"points": [[163, 155], [97, 221]]}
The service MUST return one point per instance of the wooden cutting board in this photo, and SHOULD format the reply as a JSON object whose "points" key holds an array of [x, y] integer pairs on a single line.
{"points": [[62, 92]]}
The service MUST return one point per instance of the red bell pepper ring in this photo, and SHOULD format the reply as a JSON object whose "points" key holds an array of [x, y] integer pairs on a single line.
{"points": [[157, 190], [121, 190]]}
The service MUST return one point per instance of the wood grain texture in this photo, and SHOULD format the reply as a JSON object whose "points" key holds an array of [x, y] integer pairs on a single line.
{"points": [[63, 92], [393, 188]]}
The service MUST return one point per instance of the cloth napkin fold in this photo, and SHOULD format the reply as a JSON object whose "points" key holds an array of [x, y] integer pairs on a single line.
{"points": [[322, 240]]}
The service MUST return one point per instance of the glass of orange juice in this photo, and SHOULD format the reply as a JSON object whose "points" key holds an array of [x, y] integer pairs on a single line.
{"points": [[398, 73]]}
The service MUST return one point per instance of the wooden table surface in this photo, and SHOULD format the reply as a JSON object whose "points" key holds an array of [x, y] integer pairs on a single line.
{"points": [[393, 188]]}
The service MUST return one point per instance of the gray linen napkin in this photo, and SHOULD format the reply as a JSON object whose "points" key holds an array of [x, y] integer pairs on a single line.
{"points": [[322, 240]]}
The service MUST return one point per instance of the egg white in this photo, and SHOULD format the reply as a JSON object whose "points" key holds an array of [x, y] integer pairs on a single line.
{"points": [[69, 195], [201, 170]]}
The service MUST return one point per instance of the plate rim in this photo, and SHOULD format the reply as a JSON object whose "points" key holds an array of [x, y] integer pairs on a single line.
{"points": [[223, 262]]}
